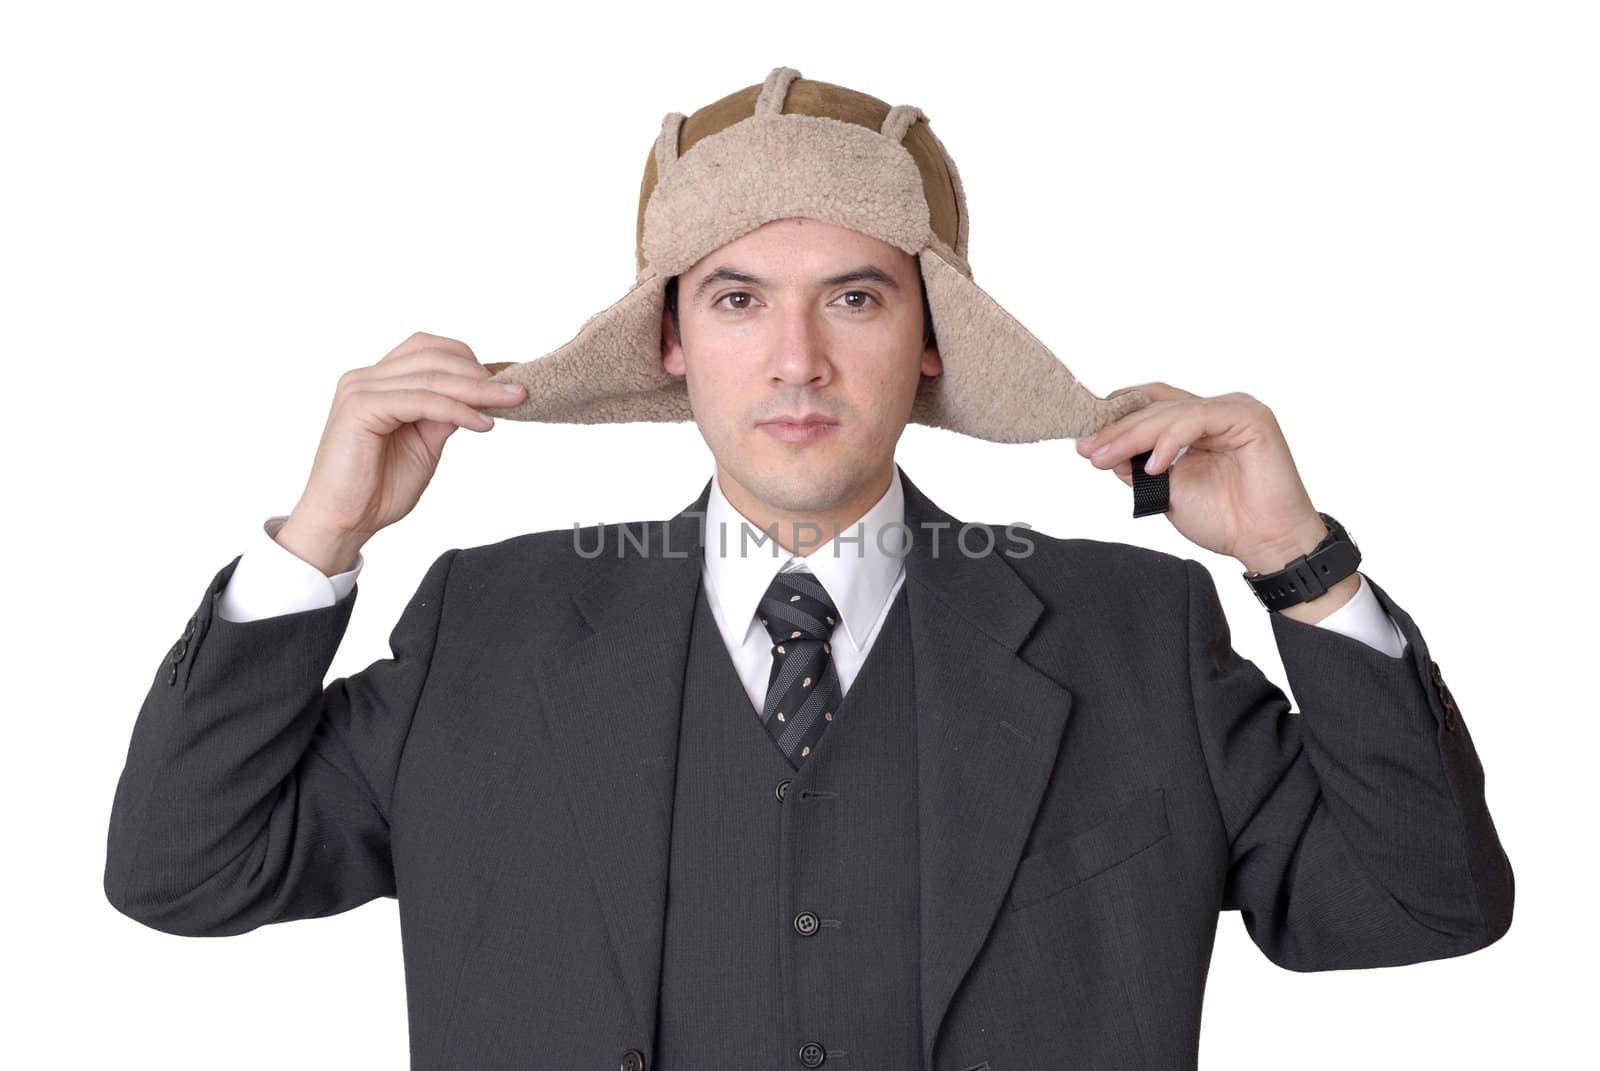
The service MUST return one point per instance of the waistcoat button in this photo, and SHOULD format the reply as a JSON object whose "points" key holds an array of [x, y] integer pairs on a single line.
{"points": [[633, 1060], [811, 1054], [783, 788], [805, 923]]}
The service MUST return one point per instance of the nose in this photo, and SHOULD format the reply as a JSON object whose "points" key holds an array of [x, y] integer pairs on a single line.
{"points": [[800, 350]]}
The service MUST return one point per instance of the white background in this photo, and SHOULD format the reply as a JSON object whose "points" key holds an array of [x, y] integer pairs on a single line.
{"points": [[1378, 218]]}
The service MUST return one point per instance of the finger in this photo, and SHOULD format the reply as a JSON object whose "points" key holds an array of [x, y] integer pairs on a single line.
{"points": [[465, 388], [1110, 443], [1153, 466], [1162, 437], [386, 410], [1162, 398], [430, 357], [1124, 469], [427, 359], [422, 340], [1157, 391], [1165, 429], [434, 433]]}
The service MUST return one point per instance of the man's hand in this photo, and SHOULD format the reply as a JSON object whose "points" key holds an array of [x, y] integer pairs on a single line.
{"points": [[1235, 490], [386, 430]]}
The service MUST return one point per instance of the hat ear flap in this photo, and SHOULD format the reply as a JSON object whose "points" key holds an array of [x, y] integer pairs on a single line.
{"points": [[609, 373], [999, 382]]}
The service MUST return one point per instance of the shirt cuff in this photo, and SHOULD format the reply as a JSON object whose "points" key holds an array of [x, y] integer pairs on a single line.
{"points": [[270, 581], [1364, 618]]}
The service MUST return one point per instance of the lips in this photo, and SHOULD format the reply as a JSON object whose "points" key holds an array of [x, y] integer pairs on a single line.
{"points": [[798, 430]]}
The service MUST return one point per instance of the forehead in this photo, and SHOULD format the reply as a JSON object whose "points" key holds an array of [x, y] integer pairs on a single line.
{"points": [[804, 247]]}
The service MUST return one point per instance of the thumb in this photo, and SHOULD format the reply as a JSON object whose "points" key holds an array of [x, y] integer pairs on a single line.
{"points": [[434, 433]]}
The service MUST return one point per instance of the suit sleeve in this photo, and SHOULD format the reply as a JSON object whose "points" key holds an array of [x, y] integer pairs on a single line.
{"points": [[1363, 618], [253, 794], [1358, 831]]}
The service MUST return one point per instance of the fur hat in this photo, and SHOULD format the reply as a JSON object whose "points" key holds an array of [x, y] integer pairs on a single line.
{"points": [[792, 147]]}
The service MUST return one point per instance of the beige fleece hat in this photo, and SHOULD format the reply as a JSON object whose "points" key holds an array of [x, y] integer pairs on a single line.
{"points": [[792, 147]]}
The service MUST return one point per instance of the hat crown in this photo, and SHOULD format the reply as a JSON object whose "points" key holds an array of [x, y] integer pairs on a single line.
{"points": [[785, 93]]}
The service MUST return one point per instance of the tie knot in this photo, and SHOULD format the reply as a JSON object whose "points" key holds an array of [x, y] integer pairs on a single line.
{"points": [[797, 607]]}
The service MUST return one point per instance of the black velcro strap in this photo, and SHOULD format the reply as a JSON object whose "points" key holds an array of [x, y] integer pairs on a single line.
{"points": [[1149, 492]]}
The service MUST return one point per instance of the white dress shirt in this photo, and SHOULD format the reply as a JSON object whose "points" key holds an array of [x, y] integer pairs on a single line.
{"points": [[860, 576]]}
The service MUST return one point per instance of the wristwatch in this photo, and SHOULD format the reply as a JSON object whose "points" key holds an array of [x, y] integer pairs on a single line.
{"points": [[1309, 575]]}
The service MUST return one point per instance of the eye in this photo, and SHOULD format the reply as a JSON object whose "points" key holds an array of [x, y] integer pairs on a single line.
{"points": [[748, 299]]}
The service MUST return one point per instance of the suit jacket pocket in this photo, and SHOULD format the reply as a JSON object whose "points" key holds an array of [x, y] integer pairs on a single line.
{"points": [[1140, 823]]}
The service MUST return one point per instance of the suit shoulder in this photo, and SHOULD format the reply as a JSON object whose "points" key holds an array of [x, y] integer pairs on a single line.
{"points": [[1095, 563], [557, 555]]}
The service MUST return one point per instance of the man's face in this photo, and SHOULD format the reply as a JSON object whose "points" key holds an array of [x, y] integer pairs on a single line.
{"points": [[801, 319]]}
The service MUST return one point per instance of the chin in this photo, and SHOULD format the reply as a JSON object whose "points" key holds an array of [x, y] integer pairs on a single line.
{"points": [[813, 488]]}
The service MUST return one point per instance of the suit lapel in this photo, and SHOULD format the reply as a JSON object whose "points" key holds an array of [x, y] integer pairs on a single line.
{"points": [[989, 726], [613, 699]]}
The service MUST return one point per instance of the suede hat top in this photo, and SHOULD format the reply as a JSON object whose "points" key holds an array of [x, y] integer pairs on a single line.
{"points": [[792, 147]]}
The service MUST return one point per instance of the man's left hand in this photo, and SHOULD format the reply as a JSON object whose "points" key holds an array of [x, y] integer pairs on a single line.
{"points": [[1234, 491]]}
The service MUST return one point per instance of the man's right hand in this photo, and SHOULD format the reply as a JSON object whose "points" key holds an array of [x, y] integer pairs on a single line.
{"points": [[385, 433]]}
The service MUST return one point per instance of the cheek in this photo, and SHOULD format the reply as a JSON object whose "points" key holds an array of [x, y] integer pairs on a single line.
{"points": [[898, 382], [715, 377], [718, 400]]}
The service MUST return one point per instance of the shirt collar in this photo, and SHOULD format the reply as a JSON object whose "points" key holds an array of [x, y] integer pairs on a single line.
{"points": [[858, 574]]}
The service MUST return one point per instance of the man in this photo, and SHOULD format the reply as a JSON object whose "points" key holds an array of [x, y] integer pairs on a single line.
{"points": [[906, 792]]}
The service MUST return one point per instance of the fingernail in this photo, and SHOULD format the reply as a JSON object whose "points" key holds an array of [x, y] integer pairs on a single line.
{"points": [[1101, 449], [511, 388]]}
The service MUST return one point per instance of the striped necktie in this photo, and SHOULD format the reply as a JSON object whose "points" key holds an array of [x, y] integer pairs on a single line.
{"points": [[803, 691]]}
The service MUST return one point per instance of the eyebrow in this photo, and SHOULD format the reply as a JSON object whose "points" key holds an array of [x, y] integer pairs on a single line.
{"points": [[867, 273]]}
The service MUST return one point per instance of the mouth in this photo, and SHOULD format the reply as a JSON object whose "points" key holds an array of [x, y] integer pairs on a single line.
{"points": [[802, 428]]}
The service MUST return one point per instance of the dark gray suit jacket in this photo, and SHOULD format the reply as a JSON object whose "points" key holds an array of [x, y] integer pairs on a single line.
{"points": [[1100, 774]]}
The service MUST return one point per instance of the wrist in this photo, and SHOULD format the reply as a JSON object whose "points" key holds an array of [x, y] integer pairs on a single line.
{"points": [[1271, 557], [330, 549], [1308, 575]]}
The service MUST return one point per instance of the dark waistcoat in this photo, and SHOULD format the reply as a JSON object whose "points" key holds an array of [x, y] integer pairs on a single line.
{"points": [[792, 916]]}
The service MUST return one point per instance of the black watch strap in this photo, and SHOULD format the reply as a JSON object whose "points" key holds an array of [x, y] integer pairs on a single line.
{"points": [[1309, 575]]}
